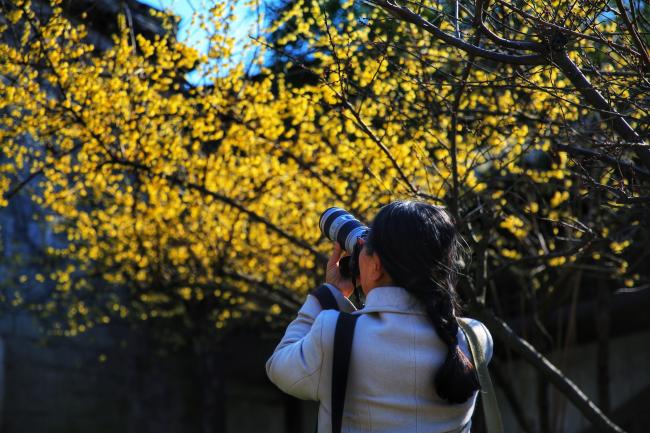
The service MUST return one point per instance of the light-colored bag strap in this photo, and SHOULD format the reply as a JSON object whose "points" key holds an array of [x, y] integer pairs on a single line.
{"points": [[493, 421]]}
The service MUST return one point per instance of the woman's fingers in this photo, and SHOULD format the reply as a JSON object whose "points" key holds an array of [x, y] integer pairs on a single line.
{"points": [[333, 273], [335, 256]]}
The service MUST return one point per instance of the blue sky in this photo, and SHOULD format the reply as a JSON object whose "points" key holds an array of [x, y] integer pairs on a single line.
{"points": [[193, 35]]}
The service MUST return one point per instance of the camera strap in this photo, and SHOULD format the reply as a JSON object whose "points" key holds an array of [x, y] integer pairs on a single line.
{"points": [[493, 422], [343, 336], [340, 365], [326, 298]]}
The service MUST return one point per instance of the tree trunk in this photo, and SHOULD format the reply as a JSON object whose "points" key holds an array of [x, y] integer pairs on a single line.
{"points": [[602, 317], [542, 403], [504, 383], [507, 336]]}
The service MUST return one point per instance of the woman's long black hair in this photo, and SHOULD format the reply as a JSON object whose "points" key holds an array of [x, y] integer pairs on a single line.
{"points": [[419, 248]]}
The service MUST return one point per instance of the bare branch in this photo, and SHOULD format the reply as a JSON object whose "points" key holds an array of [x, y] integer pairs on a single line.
{"points": [[564, 30], [627, 168], [453, 129], [405, 14], [506, 43], [366, 129], [594, 97], [643, 53]]}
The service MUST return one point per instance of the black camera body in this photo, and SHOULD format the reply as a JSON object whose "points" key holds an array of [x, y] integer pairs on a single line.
{"points": [[340, 226]]}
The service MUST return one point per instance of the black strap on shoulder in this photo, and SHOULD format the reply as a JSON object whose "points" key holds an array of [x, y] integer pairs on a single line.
{"points": [[342, 349], [325, 297]]}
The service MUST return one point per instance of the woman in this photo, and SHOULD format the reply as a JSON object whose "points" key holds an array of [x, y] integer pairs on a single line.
{"points": [[410, 368]]}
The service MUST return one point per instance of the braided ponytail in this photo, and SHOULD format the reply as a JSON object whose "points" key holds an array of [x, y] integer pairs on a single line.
{"points": [[418, 247]]}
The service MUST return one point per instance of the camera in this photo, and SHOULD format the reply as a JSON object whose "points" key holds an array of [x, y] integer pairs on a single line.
{"points": [[340, 226]]}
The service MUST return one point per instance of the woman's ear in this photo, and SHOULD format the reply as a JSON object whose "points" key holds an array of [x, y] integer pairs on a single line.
{"points": [[376, 268], [378, 274]]}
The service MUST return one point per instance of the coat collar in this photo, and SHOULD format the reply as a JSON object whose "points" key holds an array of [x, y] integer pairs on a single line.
{"points": [[391, 299]]}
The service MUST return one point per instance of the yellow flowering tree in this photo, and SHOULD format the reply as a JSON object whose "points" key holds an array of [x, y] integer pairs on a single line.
{"points": [[547, 178], [195, 209]]}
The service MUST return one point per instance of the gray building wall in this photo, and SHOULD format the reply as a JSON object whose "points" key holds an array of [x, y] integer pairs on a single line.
{"points": [[62, 386], [629, 373], [56, 385], [2, 379], [97, 383]]}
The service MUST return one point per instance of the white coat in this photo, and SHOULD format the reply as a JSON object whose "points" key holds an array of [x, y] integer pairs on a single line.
{"points": [[395, 354]]}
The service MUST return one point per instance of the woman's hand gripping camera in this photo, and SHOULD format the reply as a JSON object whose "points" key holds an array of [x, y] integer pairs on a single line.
{"points": [[333, 273]]}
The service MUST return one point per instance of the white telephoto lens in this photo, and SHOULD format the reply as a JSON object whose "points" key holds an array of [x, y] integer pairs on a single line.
{"points": [[338, 223], [326, 215], [351, 240]]}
